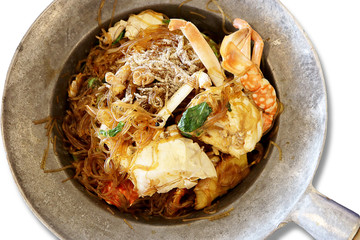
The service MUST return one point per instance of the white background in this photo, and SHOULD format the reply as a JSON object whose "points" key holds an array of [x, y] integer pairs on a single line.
{"points": [[333, 27]]}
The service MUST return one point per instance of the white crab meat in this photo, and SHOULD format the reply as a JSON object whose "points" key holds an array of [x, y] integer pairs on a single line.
{"points": [[141, 21], [239, 131], [168, 164], [202, 79]]}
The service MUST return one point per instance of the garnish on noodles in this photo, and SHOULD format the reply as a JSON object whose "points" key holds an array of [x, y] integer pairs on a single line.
{"points": [[155, 126]]}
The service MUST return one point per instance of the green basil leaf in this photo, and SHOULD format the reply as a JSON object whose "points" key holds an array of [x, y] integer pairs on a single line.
{"points": [[194, 117], [116, 130], [119, 37], [166, 21], [113, 132], [93, 82], [186, 134]]}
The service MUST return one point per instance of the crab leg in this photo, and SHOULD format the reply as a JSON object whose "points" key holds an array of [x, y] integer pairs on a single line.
{"points": [[241, 39], [173, 102], [258, 42], [201, 47], [233, 50], [233, 60]]}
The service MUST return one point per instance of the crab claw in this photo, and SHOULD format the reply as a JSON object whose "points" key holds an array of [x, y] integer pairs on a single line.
{"points": [[237, 59], [234, 60], [258, 42], [240, 38]]}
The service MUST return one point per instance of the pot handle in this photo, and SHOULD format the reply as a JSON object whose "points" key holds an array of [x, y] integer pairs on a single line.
{"points": [[324, 218]]}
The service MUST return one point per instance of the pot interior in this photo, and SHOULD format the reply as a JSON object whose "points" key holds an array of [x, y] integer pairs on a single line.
{"points": [[208, 23]]}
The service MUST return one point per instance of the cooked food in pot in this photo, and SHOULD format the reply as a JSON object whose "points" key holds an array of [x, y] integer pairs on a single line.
{"points": [[162, 120]]}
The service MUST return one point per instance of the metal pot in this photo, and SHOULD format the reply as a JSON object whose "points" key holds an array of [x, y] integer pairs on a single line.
{"points": [[275, 192]]}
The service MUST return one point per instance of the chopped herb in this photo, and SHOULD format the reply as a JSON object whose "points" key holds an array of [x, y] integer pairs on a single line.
{"points": [[113, 132], [215, 50], [119, 37], [116, 130], [104, 133], [98, 98], [166, 21], [94, 82], [194, 117], [74, 157], [214, 47], [228, 107]]}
